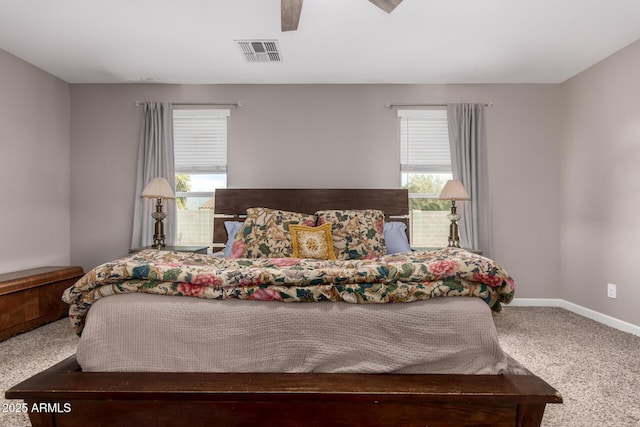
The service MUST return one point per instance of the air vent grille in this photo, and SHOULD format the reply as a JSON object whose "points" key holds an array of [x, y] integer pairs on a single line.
{"points": [[260, 50]]}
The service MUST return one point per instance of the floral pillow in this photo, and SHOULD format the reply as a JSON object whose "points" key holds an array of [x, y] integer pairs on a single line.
{"points": [[312, 242], [356, 233], [265, 233]]}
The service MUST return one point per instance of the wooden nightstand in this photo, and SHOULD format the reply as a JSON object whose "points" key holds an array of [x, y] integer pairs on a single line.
{"points": [[194, 249]]}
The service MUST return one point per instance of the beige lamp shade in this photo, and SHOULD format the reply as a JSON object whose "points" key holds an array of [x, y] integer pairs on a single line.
{"points": [[158, 188], [454, 190]]}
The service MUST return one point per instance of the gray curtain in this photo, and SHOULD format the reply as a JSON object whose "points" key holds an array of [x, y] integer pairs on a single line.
{"points": [[155, 159], [467, 138]]}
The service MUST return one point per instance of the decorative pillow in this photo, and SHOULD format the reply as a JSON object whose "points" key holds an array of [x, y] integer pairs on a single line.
{"points": [[232, 228], [265, 233], [356, 233], [312, 242], [395, 237]]}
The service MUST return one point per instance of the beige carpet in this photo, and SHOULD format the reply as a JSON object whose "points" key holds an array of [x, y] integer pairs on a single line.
{"points": [[27, 354], [596, 368]]}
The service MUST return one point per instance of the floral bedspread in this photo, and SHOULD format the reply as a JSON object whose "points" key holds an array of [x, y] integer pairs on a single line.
{"points": [[402, 277]]}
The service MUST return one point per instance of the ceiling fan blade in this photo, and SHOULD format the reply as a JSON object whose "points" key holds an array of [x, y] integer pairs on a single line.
{"points": [[386, 5], [290, 14]]}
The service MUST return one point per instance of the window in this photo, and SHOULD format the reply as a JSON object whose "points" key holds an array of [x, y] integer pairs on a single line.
{"points": [[425, 166], [200, 155]]}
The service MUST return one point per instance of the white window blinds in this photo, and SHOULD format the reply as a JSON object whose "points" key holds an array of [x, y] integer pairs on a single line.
{"points": [[200, 140], [424, 141]]}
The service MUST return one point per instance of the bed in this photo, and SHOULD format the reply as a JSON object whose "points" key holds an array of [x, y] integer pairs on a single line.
{"points": [[317, 391]]}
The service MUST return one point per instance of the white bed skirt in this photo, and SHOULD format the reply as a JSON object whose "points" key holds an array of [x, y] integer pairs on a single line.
{"points": [[154, 333]]}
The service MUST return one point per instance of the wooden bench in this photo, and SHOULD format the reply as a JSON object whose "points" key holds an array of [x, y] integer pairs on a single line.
{"points": [[187, 399], [30, 298]]}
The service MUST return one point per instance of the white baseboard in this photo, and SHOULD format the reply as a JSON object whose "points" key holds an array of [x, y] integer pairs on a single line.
{"points": [[537, 302], [578, 309]]}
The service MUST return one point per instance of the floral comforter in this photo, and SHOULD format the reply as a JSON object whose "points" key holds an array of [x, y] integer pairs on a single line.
{"points": [[402, 277]]}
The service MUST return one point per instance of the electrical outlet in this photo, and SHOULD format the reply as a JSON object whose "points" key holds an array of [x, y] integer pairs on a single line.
{"points": [[611, 290]]}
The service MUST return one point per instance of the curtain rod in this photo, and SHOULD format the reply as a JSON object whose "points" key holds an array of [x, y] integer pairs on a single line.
{"points": [[488, 105], [218, 104]]}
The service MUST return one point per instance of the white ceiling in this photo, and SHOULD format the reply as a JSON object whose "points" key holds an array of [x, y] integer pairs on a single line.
{"points": [[338, 41]]}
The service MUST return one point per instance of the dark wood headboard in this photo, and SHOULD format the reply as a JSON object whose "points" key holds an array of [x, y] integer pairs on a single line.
{"points": [[231, 204]]}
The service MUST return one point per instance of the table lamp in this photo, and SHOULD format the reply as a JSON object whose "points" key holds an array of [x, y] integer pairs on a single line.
{"points": [[158, 188], [454, 190]]}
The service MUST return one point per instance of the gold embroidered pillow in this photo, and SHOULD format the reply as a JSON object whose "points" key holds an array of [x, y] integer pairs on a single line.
{"points": [[312, 242], [265, 233], [356, 234]]}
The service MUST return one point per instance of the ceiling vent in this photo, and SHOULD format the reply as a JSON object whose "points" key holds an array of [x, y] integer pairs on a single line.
{"points": [[260, 50]]}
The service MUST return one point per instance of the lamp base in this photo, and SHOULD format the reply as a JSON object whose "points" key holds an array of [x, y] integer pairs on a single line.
{"points": [[454, 237], [158, 236]]}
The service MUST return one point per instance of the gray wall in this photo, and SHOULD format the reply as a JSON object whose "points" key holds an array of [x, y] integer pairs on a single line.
{"points": [[34, 171], [600, 166], [326, 136]]}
